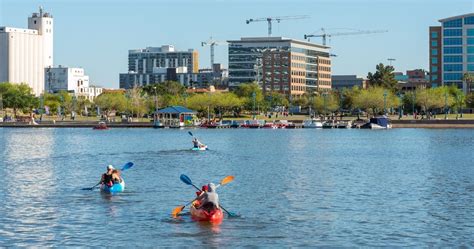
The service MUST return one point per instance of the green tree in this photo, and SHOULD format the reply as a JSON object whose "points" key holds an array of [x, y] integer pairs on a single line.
{"points": [[433, 98], [459, 98], [383, 77], [276, 99], [374, 100], [246, 90], [111, 102], [17, 96], [325, 103], [226, 102]]}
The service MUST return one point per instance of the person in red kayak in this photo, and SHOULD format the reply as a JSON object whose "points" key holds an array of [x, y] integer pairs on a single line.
{"points": [[204, 188], [209, 200]]}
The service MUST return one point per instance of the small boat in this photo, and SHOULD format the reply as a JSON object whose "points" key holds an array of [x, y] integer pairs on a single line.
{"points": [[101, 126], [116, 188], [344, 124], [255, 124], [378, 123], [269, 125], [329, 124], [312, 123], [200, 148], [214, 216]]}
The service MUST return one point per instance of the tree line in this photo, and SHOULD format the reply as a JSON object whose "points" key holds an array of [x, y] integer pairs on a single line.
{"points": [[380, 97]]}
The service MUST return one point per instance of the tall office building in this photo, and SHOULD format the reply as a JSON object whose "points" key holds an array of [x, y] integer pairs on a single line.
{"points": [[280, 64], [452, 51], [25, 53], [154, 64]]}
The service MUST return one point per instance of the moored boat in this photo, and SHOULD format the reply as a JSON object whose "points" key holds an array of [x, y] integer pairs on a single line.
{"points": [[101, 126], [312, 123], [214, 216], [116, 188], [378, 123]]}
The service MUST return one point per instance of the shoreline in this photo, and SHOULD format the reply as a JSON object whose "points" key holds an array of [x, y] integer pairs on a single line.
{"points": [[425, 124]]}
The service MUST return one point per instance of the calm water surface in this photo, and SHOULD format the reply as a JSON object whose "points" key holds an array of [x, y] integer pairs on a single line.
{"points": [[403, 187]]}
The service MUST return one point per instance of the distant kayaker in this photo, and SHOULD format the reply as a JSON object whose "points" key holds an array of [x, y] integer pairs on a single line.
{"points": [[209, 199], [197, 143], [107, 178]]}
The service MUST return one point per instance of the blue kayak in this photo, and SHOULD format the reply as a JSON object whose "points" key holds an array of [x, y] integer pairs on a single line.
{"points": [[117, 187]]}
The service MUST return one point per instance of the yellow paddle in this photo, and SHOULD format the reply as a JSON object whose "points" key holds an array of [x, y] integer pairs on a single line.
{"points": [[188, 181]]}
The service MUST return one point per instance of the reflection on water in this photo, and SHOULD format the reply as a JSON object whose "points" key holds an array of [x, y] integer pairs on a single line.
{"points": [[293, 188]]}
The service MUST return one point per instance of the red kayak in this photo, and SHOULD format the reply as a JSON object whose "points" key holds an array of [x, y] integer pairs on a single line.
{"points": [[214, 216]]}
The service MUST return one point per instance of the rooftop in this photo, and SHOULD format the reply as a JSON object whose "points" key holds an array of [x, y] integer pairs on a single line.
{"points": [[276, 39], [456, 17]]}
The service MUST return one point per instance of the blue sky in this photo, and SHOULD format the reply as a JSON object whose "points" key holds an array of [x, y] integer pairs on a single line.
{"points": [[96, 34]]}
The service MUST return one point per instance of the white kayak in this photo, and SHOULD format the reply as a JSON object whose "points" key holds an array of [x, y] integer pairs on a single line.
{"points": [[200, 148]]}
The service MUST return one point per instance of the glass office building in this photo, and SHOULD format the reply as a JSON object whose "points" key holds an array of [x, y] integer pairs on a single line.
{"points": [[280, 64], [452, 48]]}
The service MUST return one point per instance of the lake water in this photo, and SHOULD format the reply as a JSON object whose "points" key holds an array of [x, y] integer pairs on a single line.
{"points": [[401, 187]]}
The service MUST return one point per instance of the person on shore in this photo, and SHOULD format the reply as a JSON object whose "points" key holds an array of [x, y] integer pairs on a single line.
{"points": [[107, 176], [209, 200]]}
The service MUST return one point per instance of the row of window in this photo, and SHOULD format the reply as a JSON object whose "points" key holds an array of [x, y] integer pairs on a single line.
{"points": [[458, 41], [324, 69], [298, 88], [452, 67], [298, 80], [453, 76], [453, 32]]}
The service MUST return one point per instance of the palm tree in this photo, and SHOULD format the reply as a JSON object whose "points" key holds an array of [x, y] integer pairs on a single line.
{"points": [[468, 78]]}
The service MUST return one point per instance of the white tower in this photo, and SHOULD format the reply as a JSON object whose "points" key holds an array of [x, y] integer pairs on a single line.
{"points": [[43, 22]]}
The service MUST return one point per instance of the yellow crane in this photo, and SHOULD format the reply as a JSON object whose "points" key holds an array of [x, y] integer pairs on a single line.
{"points": [[325, 35], [269, 20]]}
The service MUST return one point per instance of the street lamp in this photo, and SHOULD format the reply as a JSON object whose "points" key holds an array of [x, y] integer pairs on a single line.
{"points": [[400, 114], [445, 104], [156, 105], [254, 95], [385, 102], [325, 107]]}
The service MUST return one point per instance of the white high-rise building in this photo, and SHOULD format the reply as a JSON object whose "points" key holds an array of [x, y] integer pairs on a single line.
{"points": [[25, 53]]}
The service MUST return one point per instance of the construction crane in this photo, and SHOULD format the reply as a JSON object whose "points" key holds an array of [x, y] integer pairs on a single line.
{"points": [[212, 43], [269, 20], [325, 35]]}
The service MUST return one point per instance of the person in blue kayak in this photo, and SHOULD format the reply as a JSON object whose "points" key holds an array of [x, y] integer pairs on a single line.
{"points": [[209, 200], [107, 177], [197, 143]]}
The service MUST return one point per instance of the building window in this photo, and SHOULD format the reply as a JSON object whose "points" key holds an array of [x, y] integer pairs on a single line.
{"points": [[434, 69], [470, 58], [434, 51], [470, 50], [470, 32], [452, 58], [456, 23], [453, 76], [470, 41], [434, 43], [434, 60], [434, 77], [452, 41], [452, 32], [469, 20], [34, 21], [452, 67], [434, 35], [452, 50], [470, 67]]}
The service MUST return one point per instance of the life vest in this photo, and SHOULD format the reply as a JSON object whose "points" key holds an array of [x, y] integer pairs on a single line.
{"points": [[107, 180]]}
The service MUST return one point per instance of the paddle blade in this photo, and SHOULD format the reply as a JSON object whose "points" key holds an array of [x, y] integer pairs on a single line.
{"points": [[184, 178], [227, 179], [190, 133], [127, 166], [87, 188], [177, 210]]}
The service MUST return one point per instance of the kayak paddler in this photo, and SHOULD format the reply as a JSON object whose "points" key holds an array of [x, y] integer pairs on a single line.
{"points": [[107, 178], [197, 143], [209, 199]]}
